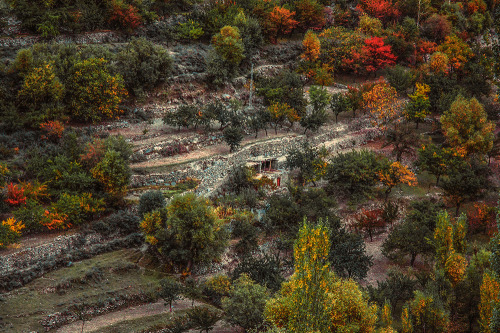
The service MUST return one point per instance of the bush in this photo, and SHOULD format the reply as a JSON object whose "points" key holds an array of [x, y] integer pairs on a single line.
{"points": [[150, 201], [190, 30], [94, 94], [121, 221], [245, 305], [265, 270], [32, 214], [113, 173], [400, 78], [10, 231], [143, 65]]}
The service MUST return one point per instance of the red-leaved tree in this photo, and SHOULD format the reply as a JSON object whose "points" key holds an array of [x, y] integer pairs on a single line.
{"points": [[384, 10], [370, 220], [127, 16], [377, 54]]}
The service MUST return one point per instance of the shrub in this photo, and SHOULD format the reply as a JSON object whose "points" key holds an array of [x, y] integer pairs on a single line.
{"points": [[216, 287], [121, 221], [190, 30], [40, 93], [113, 173], [400, 78], [32, 215], [94, 94], [150, 201], [265, 270], [15, 195], [125, 15], [10, 231], [143, 65], [76, 209]]}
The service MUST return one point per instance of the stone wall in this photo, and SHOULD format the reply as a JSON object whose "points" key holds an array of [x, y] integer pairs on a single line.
{"points": [[213, 171]]}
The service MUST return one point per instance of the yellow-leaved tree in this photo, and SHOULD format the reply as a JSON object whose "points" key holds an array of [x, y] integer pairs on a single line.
{"points": [[315, 299]]}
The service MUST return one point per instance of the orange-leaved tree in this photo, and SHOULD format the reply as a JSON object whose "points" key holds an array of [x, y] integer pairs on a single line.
{"points": [[439, 63], [395, 174], [280, 22], [312, 47], [457, 51], [383, 105]]}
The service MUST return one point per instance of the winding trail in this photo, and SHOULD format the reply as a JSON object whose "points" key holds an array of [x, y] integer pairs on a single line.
{"points": [[134, 312]]}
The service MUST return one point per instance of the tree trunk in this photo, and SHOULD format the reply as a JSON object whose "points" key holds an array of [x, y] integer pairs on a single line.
{"points": [[437, 179], [417, 125], [412, 260], [83, 323]]}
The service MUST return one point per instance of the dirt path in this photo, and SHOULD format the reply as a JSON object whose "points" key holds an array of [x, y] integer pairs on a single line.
{"points": [[378, 272], [125, 314]]}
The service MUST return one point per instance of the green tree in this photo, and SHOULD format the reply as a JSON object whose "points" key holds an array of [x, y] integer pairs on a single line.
{"points": [[317, 117], [150, 201], [467, 180], [400, 78], [437, 160], [113, 173], [265, 270], [310, 162], [339, 103], [245, 305], [186, 232], [287, 87], [233, 135], [143, 65], [170, 291], [466, 126], [228, 45], [410, 237], [347, 252], [186, 115], [353, 174], [93, 93]]}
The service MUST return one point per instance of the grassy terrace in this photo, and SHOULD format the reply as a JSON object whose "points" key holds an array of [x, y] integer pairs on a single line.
{"points": [[90, 281]]}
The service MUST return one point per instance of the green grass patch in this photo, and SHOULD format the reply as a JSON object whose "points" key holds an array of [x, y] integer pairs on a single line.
{"points": [[90, 281]]}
